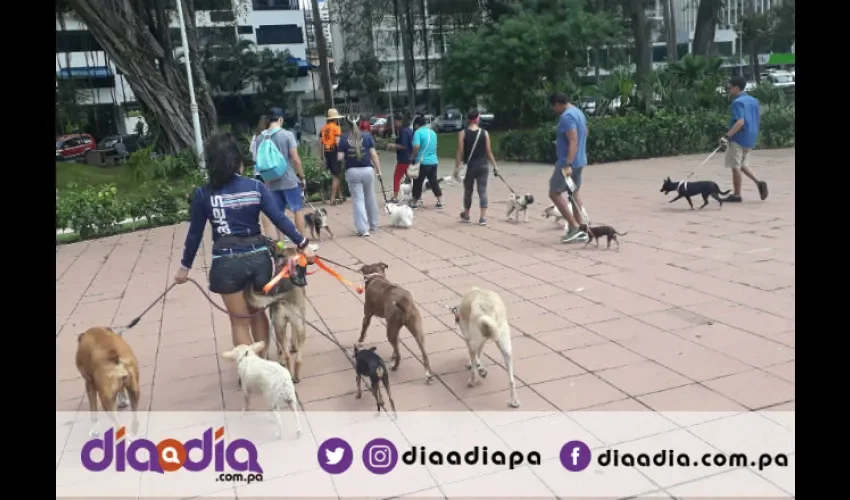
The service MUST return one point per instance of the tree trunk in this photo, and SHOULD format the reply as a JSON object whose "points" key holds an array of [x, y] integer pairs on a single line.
{"points": [[640, 32], [405, 17], [426, 46], [322, 49], [706, 24], [147, 67], [670, 26]]}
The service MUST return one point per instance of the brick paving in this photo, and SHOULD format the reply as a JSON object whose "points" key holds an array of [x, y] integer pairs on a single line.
{"points": [[696, 312]]}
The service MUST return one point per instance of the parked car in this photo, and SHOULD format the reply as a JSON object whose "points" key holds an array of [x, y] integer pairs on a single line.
{"points": [[451, 121], [485, 118], [779, 78], [380, 126], [122, 145], [74, 146], [430, 121]]}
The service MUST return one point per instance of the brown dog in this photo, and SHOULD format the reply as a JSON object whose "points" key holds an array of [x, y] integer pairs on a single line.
{"points": [[395, 305], [108, 367], [594, 233], [288, 308]]}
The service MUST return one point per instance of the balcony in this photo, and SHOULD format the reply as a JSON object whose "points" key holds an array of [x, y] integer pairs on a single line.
{"points": [[259, 5]]}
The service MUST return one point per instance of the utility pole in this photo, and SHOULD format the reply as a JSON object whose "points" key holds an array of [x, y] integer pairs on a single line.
{"points": [[322, 49], [193, 104]]}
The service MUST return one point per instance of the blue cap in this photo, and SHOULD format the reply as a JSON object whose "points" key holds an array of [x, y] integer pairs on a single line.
{"points": [[275, 113]]}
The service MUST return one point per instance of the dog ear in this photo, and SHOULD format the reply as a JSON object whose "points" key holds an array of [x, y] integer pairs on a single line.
{"points": [[373, 348], [257, 346], [362, 269], [231, 355], [383, 266]]}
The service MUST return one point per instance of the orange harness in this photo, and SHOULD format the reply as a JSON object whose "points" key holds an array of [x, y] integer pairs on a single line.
{"points": [[301, 261]]}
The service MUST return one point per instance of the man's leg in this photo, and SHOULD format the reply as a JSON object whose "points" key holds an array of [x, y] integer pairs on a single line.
{"points": [[295, 202], [737, 158], [745, 167], [557, 187], [582, 217]]}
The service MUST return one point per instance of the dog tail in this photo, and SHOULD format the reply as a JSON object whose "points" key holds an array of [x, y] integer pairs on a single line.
{"points": [[620, 234], [724, 193], [488, 328]]}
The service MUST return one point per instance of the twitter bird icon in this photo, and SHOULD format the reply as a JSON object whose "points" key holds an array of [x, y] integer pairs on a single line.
{"points": [[335, 455]]}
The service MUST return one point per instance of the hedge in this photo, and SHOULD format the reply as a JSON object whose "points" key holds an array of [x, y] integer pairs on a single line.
{"points": [[636, 136]]}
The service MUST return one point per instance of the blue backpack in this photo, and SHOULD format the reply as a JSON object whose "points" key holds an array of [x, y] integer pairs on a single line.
{"points": [[271, 163]]}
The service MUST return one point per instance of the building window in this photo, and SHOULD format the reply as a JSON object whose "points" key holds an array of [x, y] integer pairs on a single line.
{"points": [[213, 5], [659, 53], [279, 34], [723, 49], [216, 36], [275, 4], [76, 41], [245, 30], [222, 16]]}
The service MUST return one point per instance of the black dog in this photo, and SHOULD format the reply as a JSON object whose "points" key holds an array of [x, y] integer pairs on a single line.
{"points": [[316, 221], [687, 189], [369, 364], [594, 233]]}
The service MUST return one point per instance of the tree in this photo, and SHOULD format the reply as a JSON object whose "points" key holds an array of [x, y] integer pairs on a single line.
{"points": [[322, 48], [708, 15], [136, 37], [70, 111], [506, 63], [670, 30], [636, 11]]}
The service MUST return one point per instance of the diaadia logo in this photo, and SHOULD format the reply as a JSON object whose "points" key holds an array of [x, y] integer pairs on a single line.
{"points": [[169, 455]]}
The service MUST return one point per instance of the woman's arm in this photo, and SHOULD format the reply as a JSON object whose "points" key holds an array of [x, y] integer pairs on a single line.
{"points": [[275, 214], [489, 151], [197, 223], [459, 155], [376, 161]]}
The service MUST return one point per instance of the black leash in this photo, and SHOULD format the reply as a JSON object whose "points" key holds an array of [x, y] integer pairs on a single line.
{"points": [[383, 189], [497, 174]]}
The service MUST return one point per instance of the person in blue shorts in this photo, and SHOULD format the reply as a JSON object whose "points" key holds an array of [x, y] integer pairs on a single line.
{"points": [[288, 190]]}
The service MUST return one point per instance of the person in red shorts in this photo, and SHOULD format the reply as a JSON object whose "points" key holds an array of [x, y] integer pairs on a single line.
{"points": [[403, 147]]}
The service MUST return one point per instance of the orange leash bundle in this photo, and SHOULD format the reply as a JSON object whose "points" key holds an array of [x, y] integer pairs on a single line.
{"points": [[301, 261], [336, 275]]}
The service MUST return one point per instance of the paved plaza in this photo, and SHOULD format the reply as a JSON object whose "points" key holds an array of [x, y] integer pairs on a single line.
{"points": [[695, 312]]}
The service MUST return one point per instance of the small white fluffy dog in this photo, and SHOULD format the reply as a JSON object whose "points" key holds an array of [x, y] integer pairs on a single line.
{"points": [[518, 204], [482, 317], [401, 215], [405, 192], [269, 378]]}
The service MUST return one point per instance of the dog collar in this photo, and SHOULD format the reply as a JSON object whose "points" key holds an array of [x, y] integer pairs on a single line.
{"points": [[369, 277]]}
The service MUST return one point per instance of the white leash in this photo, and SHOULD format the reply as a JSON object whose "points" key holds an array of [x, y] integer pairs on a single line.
{"points": [[684, 182]]}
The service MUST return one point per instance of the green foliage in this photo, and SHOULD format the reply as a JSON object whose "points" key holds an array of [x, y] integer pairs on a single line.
{"points": [[144, 165], [508, 63], [89, 211], [638, 136], [769, 95]]}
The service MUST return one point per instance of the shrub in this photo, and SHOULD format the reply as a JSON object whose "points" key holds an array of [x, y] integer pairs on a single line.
{"points": [[638, 136], [90, 211], [145, 165]]}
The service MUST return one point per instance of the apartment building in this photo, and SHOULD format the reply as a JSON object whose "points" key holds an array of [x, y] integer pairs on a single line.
{"points": [[273, 24]]}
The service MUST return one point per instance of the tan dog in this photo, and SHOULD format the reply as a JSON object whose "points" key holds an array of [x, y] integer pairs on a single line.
{"points": [[395, 305], [482, 317], [288, 308], [108, 367]]}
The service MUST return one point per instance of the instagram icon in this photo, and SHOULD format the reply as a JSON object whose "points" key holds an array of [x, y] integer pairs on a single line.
{"points": [[380, 456]]}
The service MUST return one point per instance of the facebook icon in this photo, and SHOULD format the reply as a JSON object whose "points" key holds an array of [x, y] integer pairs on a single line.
{"points": [[575, 456]]}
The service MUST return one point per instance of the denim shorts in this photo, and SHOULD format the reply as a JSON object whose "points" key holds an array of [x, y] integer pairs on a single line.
{"points": [[291, 199], [234, 272]]}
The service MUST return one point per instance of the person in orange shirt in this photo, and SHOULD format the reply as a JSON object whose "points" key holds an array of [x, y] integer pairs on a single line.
{"points": [[330, 135]]}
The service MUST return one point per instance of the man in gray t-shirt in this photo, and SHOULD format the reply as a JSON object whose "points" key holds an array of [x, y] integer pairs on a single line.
{"points": [[288, 190]]}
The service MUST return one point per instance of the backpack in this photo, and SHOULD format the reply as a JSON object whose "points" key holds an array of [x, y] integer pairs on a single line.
{"points": [[271, 163]]}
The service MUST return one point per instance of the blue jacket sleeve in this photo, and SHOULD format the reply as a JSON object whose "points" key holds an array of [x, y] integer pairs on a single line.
{"points": [[197, 223], [275, 214]]}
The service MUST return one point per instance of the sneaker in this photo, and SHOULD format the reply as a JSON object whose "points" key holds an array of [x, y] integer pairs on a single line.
{"points": [[574, 235], [732, 198], [373, 228], [393, 200], [364, 235], [482, 221], [762, 190], [464, 217], [439, 205], [414, 205]]}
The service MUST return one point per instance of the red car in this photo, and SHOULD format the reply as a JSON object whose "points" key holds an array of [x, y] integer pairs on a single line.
{"points": [[74, 146], [379, 126]]}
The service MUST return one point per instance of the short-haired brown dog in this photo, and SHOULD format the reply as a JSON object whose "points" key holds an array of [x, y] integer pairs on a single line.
{"points": [[395, 305], [108, 367], [594, 233]]}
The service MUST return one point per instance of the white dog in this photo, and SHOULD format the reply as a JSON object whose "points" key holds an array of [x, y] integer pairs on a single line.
{"points": [[482, 317], [270, 379], [401, 215], [406, 191], [519, 204]]}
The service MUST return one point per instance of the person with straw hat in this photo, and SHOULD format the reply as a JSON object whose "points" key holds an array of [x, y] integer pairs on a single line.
{"points": [[330, 135]]}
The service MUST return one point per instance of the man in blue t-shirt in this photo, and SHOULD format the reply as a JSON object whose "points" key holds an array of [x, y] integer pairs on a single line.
{"points": [[741, 138], [571, 151]]}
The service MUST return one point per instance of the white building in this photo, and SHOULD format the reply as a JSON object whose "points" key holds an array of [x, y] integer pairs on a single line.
{"points": [[272, 24]]}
